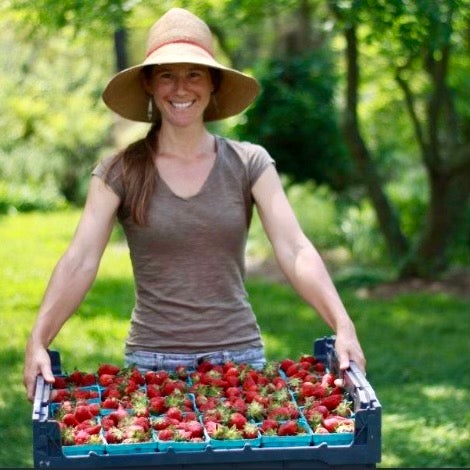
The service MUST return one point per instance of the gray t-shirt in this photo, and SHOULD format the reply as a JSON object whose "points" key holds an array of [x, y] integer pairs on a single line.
{"points": [[189, 263]]}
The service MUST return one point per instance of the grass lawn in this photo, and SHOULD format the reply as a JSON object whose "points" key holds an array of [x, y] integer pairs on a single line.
{"points": [[417, 345]]}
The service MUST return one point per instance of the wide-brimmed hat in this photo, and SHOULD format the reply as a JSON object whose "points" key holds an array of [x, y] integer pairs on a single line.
{"points": [[180, 37]]}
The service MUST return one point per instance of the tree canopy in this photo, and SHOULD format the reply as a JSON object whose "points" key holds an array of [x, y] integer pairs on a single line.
{"points": [[369, 98]]}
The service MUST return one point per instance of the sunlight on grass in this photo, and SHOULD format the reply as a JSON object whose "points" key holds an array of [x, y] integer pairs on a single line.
{"points": [[416, 344]]}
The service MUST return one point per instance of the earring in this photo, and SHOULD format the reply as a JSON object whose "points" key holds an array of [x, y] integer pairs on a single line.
{"points": [[150, 109]]}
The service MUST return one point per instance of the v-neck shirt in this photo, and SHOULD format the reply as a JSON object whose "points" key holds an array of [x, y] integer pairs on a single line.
{"points": [[189, 260]]}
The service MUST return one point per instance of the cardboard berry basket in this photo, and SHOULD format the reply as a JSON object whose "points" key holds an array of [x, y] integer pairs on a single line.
{"points": [[362, 451]]}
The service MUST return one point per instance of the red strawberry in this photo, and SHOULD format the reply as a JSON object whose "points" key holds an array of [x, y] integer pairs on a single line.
{"points": [[161, 422], [106, 379], [88, 379], [110, 369], [195, 428], [330, 423], [83, 413], [166, 435], [81, 437], [110, 402], [61, 395], [76, 377], [157, 405], [307, 358], [69, 419], [60, 382], [286, 363], [289, 428], [250, 431], [328, 380], [114, 435], [107, 422], [308, 389], [93, 429], [331, 401], [175, 413], [238, 420], [182, 372]]}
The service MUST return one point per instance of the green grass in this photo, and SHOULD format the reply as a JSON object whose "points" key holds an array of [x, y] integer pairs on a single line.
{"points": [[417, 345]]}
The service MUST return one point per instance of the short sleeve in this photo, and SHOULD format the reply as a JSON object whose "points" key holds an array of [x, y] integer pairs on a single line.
{"points": [[109, 170], [258, 161]]}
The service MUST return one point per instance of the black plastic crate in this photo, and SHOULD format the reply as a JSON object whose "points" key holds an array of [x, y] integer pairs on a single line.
{"points": [[363, 452]]}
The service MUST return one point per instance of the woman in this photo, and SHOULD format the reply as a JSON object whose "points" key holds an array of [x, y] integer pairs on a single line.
{"points": [[184, 198]]}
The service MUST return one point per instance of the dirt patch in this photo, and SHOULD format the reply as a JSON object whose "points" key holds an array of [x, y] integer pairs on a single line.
{"points": [[456, 282]]}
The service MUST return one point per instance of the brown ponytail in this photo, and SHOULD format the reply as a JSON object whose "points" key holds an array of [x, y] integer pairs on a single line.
{"points": [[138, 175]]}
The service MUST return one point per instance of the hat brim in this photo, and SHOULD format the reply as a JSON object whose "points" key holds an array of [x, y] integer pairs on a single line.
{"points": [[125, 95]]}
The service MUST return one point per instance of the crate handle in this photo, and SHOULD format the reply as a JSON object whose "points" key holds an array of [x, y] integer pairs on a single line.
{"points": [[41, 399]]}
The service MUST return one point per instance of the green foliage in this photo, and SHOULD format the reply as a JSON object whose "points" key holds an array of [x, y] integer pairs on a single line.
{"points": [[295, 119], [416, 344], [54, 123]]}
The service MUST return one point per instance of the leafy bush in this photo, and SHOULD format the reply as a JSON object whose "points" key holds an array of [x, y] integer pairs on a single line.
{"points": [[295, 119], [29, 197]]}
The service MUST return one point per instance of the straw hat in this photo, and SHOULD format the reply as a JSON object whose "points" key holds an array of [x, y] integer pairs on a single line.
{"points": [[179, 37]]}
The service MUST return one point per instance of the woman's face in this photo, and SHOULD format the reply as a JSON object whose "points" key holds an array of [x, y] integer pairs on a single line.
{"points": [[181, 92]]}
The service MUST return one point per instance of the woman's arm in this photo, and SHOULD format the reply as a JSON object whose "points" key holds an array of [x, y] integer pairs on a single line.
{"points": [[303, 266], [71, 279]]}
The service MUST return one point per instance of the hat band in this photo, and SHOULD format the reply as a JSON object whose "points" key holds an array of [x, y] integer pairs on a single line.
{"points": [[179, 41]]}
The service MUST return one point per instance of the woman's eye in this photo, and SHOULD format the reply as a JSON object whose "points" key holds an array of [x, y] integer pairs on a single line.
{"points": [[196, 74], [164, 76]]}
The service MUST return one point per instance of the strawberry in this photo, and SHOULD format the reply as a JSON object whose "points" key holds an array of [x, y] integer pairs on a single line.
{"points": [[83, 413], [308, 389], [114, 435], [60, 395], [75, 378], [308, 358], [330, 423], [157, 405], [110, 369], [181, 372], [88, 379], [81, 437], [161, 422], [328, 380], [286, 363], [110, 402], [269, 426], [60, 382], [289, 428], [166, 434], [175, 413], [69, 419], [106, 379], [93, 429], [331, 401], [195, 428], [238, 420], [250, 431]]}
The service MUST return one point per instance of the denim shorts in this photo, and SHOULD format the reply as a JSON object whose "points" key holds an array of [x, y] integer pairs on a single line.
{"points": [[145, 360]]}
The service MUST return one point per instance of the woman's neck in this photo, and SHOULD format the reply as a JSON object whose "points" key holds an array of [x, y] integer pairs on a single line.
{"points": [[185, 143]]}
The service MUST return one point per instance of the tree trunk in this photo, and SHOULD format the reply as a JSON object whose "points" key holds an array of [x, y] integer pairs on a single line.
{"points": [[386, 216], [120, 49], [446, 214]]}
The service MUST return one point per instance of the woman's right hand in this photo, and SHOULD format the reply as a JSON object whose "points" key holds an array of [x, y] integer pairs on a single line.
{"points": [[37, 362]]}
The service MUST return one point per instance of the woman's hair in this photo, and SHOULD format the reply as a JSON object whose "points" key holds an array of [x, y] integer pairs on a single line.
{"points": [[138, 174]]}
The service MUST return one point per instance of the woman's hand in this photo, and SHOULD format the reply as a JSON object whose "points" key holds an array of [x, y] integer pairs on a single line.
{"points": [[37, 361], [348, 349]]}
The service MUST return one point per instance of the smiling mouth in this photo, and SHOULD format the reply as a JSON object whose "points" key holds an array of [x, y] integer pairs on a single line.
{"points": [[185, 105]]}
